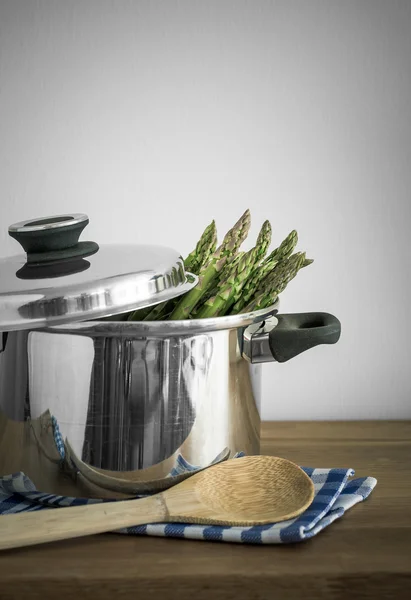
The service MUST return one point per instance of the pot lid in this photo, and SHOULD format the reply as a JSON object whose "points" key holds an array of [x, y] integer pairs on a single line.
{"points": [[61, 280]]}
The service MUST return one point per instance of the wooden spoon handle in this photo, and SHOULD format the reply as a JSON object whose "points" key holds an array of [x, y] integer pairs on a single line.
{"points": [[50, 525]]}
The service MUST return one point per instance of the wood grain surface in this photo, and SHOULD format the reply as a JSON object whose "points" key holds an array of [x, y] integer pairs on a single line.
{"points": [[366, 554]]}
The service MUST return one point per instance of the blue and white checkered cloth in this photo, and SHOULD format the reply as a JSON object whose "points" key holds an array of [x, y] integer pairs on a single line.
{"points": [[335, 493]]}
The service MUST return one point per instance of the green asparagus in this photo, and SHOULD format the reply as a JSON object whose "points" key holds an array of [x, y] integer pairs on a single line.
{"points": [[229, 288], [232, 281], [262, 244], [210, 272], [193, 263], [213, 290], [275, 283], [283, 251], [263, 240], [235, 236], [284, 269], [203, 250], [206, 278], [139, 314], [307, 262], [157, 312]]}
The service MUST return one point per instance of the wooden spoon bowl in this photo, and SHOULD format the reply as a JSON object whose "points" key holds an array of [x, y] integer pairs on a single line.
{"points": [[251, 490]]}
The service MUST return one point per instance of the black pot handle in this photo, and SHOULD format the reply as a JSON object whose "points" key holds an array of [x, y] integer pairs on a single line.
{"points": [[296, 333]]}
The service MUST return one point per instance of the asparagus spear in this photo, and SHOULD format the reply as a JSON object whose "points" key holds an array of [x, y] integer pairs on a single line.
{"points": [[235, 236], [228, 289], [263, 240], [283, 251], [193, 263], [206, 278], [275, 283], [213, 290], [264, 300], [262, 244], [284, 269], [251, 285], [227, 269], [209, 274], [203, 250], [139, 314], [157, 312], [234, 276]]}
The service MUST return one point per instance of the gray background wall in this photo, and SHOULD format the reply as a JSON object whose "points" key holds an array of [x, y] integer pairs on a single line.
{"points": [[154, 117]]}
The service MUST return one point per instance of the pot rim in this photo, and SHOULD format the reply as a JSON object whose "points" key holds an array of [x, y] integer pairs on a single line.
{"points": [[163, 328]]}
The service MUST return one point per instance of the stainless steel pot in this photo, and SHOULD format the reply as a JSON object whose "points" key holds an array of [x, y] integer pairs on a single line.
{"points": [[131, 399]]}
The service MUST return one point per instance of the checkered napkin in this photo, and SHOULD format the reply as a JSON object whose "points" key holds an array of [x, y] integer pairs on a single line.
{"points": [[335, 493]]}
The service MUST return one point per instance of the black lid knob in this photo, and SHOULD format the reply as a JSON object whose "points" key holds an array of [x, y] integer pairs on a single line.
{"points": [[53, 238]]}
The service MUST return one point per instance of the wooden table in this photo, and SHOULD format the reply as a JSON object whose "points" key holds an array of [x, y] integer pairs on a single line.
{"points": [[366, 554]]}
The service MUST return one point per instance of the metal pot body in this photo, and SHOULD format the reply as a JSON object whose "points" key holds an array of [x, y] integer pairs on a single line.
{"points": [[112, 403], [127, 397]]}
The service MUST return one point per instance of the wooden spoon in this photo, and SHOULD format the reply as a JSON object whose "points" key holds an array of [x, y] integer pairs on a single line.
{"points": [[247, 491]]}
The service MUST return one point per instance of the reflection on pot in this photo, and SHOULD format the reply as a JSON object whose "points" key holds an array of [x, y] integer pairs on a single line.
{"points": [[129, 403]]}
